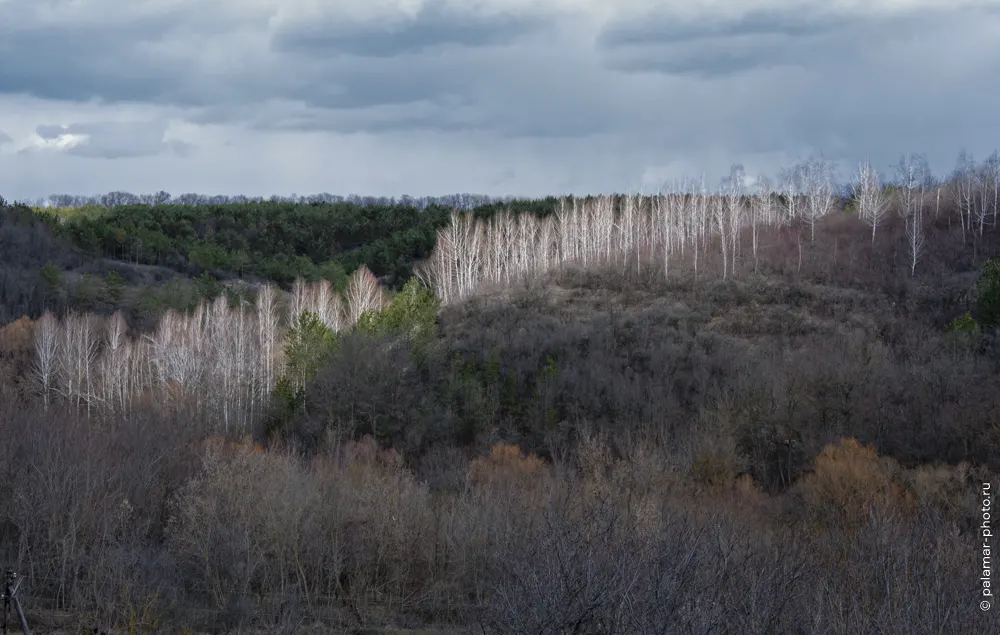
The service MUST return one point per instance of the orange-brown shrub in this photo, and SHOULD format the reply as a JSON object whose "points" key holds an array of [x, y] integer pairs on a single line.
{"points": [[506, 464], [16, 337], [367, 452], [848, 481], [228, 449]]}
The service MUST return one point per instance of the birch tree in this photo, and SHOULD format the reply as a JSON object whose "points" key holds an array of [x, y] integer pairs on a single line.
{"points": [[988, 181], [327, 305], [300, 298], [116, 365], [663, 209], [268, 322], [791, 183], [963, 179], [993, 169], [870, 196], [363, 293], [915, 234], [46, 354], [720, 216], [78, 350], [734, 190], [818, 178], [760, 214], [911, 174]]}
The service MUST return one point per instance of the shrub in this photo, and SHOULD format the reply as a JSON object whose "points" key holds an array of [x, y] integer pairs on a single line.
{"points": [[988, 294], [115, 284], [52, 277], [506, 464], [713, 469], [308, 344], [847, 481], [412, 314], [964, 324], [963, 331]]}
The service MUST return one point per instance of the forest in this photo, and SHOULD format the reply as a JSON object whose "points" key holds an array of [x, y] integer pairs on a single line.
{"points": [[757, 406]]}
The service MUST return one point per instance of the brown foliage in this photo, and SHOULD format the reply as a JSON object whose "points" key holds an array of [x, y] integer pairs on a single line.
{"points": [[16, 337], [507, 465], [228, 448], [849, 480]]}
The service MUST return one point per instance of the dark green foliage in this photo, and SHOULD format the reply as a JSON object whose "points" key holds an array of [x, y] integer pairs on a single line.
{"points": [[52, 277], [274, 240], [208, 286], [115, 284], [286, 402], [538, 207], [412, 315], [89, 292], [964, 332], [988, 298], [307, 345]]}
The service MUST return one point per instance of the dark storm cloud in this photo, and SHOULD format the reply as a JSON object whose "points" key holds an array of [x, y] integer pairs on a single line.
{"points": [[760, 40], [433, 26], [87, 60]]}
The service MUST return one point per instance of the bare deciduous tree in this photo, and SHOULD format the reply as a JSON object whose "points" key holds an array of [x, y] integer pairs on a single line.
{"points": [[364, 293], [46, 354], [818, 178], [116, 365], [760, 214], [963, 179], [911, 175], [733, 191], [78, 350], [268, 338], [870, 196], [915, 233]]}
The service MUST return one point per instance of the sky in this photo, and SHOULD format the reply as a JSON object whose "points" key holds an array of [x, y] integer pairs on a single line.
{"points": [[498, 97]]}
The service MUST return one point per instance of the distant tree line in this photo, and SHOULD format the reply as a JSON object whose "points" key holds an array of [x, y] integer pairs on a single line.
{"points": [[119, 198]]}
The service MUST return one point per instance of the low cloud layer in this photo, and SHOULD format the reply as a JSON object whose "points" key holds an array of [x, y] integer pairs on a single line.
{"points": [[493, 96]]}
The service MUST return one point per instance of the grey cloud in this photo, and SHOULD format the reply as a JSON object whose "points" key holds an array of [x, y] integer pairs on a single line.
{"points": [[115, 140], [433, 26], [5, 138], [763, 39], [53, 131], [417, 116], [709, 63], [650, 93], [110, 61], [660, 30], [380, 85]]}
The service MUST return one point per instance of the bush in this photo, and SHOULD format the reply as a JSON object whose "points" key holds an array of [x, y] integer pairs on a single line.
{"points": [[506, 464], [988, 294], [308, 344], [412, 314], [849, 480], [964, 324]]}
